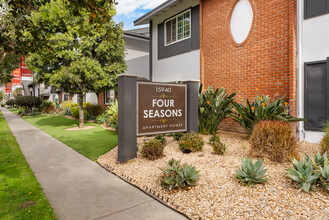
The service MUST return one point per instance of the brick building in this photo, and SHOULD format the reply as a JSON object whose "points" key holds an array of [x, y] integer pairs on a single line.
{"points": [[251, 47]]}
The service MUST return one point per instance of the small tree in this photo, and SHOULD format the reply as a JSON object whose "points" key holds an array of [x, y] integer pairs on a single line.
{"points": [[76, 53]]}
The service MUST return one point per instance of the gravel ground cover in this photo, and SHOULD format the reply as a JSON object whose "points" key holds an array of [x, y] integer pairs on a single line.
{"points": [[218, 195]]}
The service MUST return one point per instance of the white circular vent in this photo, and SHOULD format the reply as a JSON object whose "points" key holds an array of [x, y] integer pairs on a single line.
{"points": [[241, 20]]}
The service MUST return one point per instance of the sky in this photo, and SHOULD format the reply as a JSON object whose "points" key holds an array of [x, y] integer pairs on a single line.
{"points": [[130, 10]]}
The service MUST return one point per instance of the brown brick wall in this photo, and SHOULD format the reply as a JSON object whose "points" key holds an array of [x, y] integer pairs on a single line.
{"points": [[264, 64]]}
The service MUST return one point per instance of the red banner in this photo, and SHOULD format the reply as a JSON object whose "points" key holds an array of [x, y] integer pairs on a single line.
{"points": [[8, 88], [24, 71], [16, 77]]}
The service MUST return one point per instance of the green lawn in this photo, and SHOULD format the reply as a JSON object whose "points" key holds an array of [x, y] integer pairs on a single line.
{"points": [[14, 110], [91, 143], [20, 194]]}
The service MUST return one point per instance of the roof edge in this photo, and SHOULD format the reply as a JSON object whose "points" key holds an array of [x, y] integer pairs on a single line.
{"points": [[145, 18]]}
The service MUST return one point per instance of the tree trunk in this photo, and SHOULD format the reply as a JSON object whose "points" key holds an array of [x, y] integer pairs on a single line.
{"points": [[81, 116]]}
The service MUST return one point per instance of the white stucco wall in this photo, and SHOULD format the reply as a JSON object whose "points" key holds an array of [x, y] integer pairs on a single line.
{"points": [[137, 56], [313, 45], [180, 67], [316, 38]]}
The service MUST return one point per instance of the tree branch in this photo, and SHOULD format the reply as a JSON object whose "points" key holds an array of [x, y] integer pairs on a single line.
{"points": [[3, 57]]}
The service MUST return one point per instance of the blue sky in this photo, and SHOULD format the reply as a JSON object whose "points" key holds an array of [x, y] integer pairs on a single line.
{"points": [[130, 10]]}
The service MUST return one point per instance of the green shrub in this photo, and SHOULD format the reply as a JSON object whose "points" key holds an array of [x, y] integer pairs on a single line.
{"points": [[47, 106], [178, 176], [65, 104], [161, 138], [176, 136], [152, 149], [274, 140], [251, 173], [325, 140], [28, 102], [94, 110], [217, 146], [11, 102], [75, 112], [304, 174], [112, 115], [191, 142], [214, 107], [261, 109]]}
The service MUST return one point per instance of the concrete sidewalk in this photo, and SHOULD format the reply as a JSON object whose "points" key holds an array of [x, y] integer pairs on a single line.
{"points": [[76, 187]]}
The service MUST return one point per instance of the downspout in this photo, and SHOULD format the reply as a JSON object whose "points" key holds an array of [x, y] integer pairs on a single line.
{"points": [[151, 51], [300, 68]]}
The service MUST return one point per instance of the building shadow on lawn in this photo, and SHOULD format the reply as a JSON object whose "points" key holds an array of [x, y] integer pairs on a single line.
{"points": [[54, 121]]}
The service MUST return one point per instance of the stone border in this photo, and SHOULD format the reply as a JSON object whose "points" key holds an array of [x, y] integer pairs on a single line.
{"points": [[157, 196]]}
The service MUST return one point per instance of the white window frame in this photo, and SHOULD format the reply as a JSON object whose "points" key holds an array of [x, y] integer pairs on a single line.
{"points": [[64, 96], [105, 98], [175, 18]]}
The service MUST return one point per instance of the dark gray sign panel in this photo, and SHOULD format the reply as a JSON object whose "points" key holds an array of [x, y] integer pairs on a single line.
{"points": [[161, 108]]}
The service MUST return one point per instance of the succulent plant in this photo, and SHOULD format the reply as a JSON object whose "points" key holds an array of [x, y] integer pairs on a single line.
{"points": [[324, 177], [320, 160], [303, 174], [178, 176], [251, 173]]}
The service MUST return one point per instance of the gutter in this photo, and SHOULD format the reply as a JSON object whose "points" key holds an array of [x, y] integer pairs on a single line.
{"points": [[147, 17]]}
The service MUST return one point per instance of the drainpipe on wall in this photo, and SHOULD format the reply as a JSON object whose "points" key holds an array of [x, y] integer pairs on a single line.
{"points": [[300, 71]]}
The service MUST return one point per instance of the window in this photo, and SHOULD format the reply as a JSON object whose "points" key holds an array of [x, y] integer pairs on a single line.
{"points": [[316, 99], [66, 97], [178, 28], [109, 96], [315, 8]]}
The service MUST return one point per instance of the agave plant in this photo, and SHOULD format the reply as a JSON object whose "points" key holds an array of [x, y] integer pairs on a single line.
{"points": [[214, 107], [178, 176], [102, 119], [324, 177], [261, 109], [303, 174], [251, 173], [320, 160]]}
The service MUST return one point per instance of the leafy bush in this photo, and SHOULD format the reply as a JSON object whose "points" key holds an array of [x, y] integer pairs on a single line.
{"points": [[112, 115], [251, 173], [325, 140], [217, 146], [178, 176], [303, 174], [176, 136], [152, 149], [161, 138], [261, 109], [65, 104], [47, 106], [28, 102], [214, 107], [274, 140], [75, 112], [191, 142], [94, 110], [11, 102]]}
